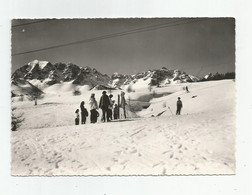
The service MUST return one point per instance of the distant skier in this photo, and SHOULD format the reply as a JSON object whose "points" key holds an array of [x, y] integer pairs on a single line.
{"points": [[77, 118], [179, 106], [84, 113], [115, 112], [187, 89], [104, 104], [110, 107], [123, 103], [93, 106], [36, 101]]}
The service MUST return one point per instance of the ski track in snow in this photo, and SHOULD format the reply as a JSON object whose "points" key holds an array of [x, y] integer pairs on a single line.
{"points": [[199, 143]]}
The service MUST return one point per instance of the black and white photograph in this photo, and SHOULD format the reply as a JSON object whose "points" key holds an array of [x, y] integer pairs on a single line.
{"points": [[123, 96]]}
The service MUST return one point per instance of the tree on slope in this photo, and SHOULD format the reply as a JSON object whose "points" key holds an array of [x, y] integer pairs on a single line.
{"points": [[16, 119]]}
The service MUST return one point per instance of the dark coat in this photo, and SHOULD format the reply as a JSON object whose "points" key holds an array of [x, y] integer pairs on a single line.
{"points": [[179, 104], [84, 111], [104, 102]]}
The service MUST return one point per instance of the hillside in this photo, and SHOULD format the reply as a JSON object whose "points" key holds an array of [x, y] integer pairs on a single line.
{"points": [[200, 141]]}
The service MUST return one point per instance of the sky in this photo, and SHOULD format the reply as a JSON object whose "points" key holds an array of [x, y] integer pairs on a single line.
{"points": [[194, 45]]}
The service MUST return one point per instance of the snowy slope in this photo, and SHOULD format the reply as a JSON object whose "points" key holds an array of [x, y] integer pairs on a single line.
{"points": [[198, 100], [23, 87], [200, 141]]}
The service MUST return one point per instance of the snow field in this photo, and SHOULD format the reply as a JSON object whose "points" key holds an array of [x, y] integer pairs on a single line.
{"points": [[200, 141]]}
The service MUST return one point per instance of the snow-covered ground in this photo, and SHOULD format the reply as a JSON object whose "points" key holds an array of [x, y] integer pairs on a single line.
{"points": [[200, 141]]}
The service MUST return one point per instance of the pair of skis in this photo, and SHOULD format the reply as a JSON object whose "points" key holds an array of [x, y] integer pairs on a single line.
{"points": [[164, 111]]}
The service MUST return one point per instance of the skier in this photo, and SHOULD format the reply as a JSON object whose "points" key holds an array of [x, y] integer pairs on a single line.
{"points": [[93, 107], [77, 118], [187, 89], [110, 107], [115, 111], [84, 113], [123, 103], [104, 103], [179, 106]]}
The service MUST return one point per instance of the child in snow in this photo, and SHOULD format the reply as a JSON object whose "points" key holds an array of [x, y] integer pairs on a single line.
{"points": [[115, 111], [84, 113], [77, 118]]}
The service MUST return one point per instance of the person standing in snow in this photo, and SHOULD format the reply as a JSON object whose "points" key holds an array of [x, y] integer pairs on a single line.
{"points": [[179, 106], [93, 106], [104, 104], [77, 118], [115, 111], [123, 103], [84, 113], [110, 107]]}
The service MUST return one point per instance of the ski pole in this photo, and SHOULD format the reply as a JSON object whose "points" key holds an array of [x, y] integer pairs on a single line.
{"points": [[170, 110]]}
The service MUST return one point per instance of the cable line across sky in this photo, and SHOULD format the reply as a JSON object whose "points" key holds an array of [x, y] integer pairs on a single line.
{"points": [[119, 34]]}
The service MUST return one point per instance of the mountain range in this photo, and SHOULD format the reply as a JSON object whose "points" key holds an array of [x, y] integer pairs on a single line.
{"points": [[43, 74]]}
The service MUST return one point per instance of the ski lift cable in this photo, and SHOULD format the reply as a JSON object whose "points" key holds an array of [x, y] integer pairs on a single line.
{"points": [[98, 38], [29, 23], [109, 36], [46, 20]]}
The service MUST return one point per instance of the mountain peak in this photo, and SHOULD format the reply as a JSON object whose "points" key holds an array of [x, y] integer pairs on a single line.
{"points": [[41, 64]]}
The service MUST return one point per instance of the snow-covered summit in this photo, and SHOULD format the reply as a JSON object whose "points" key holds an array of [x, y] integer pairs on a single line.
{"points": [[209, 75], [158, 77], [41, 64]]}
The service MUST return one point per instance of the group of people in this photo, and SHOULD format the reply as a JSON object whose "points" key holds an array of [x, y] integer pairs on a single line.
{"points": [[106, 104], [108, 107]]}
